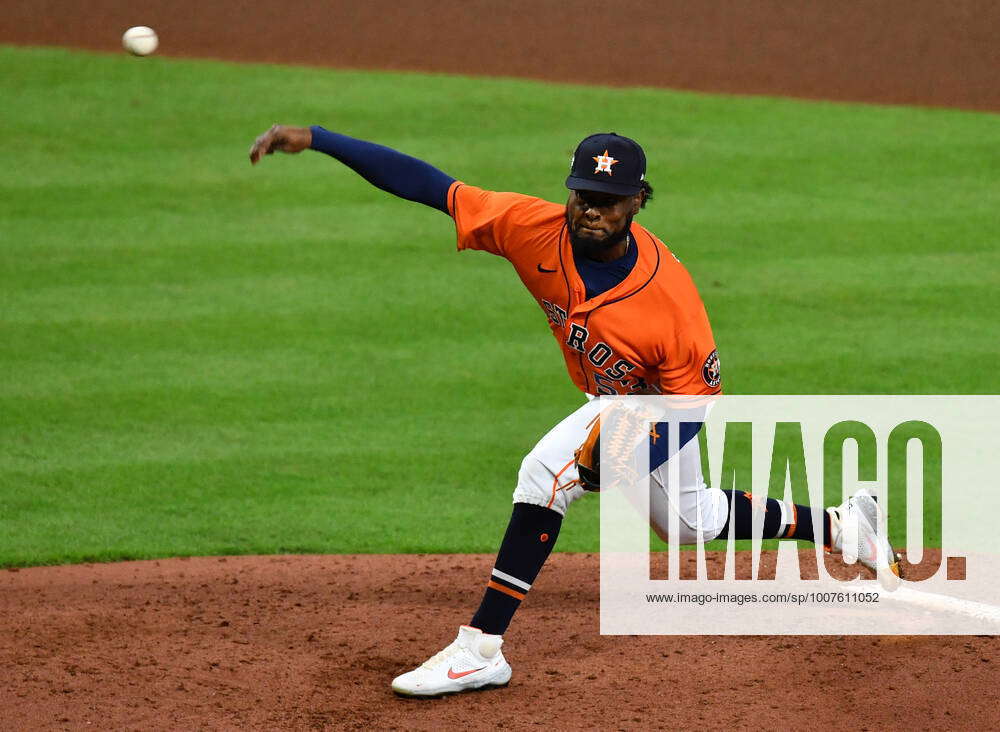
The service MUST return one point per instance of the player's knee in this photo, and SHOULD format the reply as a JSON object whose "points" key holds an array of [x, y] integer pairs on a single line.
{"points": [[534, 483], [539, 485], [700, 520], [713, 510]]}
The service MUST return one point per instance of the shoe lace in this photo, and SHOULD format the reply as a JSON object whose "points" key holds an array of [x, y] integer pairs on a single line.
{"points": [[441, 656]]}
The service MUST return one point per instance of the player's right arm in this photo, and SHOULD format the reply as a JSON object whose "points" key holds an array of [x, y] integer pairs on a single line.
{"points": [[484, 220], [383, 167]]}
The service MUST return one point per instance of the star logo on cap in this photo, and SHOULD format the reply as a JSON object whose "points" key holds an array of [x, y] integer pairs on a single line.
{"points": [[604, 163]]}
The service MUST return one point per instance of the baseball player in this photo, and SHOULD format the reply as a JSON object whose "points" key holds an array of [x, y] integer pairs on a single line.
{"points": [[628, 320]]}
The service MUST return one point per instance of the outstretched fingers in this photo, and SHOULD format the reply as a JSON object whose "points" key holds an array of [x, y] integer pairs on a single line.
{"points": [[265, 144]]}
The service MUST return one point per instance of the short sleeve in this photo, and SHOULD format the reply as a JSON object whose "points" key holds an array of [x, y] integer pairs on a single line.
{"points": [[692, 364], [494, 222]]}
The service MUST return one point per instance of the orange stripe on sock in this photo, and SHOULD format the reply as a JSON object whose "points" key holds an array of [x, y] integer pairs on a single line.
{"points": [[506, 590], [790, 531]]}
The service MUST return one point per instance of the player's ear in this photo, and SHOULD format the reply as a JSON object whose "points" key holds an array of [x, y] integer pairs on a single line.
{"points": [[637, 202]]}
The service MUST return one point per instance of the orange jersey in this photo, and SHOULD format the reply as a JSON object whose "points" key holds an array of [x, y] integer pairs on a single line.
{"points": [[648, 333]]}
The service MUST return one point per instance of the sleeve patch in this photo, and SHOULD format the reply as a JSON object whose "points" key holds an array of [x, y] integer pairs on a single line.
{"points": [[711, 372]]}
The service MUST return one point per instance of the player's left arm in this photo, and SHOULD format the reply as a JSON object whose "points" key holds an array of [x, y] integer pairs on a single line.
{"points": [[690, 367], [394, 172], [689, 361]]}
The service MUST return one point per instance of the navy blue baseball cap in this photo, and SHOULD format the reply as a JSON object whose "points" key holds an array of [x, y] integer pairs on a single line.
{"points": [[607, 163]]}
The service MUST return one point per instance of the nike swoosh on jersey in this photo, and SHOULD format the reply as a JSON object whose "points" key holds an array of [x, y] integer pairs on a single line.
{"points": [[542, 269], [453, 675]]}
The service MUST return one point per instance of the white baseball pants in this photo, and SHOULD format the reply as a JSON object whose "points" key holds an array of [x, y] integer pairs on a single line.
{"points": [[548, 478]]}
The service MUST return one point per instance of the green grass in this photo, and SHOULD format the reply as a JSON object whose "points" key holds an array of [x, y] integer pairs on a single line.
{"points": [[199, 357]]}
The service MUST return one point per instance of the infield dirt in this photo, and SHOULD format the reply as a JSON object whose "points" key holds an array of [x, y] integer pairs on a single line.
{"points": [[312, 642]]}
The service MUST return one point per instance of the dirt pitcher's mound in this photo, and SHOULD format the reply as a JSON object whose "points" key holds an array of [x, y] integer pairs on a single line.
{"points": [[312, 642]]}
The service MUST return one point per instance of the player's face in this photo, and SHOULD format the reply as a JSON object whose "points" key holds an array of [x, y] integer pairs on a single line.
{"points": [[599, 222]]}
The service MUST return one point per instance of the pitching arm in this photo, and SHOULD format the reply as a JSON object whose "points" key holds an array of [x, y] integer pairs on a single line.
{"points": [[383, 167]]}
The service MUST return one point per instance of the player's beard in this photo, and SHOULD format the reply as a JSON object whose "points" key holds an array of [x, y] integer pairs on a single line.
{"points": [[594, 248]]}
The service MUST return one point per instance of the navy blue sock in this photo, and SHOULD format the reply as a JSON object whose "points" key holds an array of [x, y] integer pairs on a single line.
{"points": [[789, 522], [529, 539]]}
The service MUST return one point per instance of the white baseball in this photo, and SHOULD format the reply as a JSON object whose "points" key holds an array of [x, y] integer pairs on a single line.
{"points": [[140, 40]]}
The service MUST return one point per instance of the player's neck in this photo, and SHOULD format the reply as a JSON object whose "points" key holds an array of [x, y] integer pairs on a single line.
{"points": [[612, 253]]}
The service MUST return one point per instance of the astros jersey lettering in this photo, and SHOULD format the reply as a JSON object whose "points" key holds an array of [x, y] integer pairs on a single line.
{"points": [[650, 333]]}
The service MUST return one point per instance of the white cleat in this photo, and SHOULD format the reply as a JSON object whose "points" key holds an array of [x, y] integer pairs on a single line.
{"points": [[472, 661], [858, 531]]}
